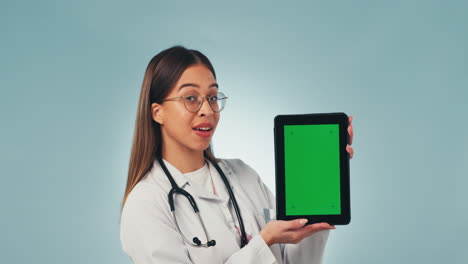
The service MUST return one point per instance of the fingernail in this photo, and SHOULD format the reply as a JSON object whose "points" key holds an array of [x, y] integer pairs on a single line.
{"points": [[303, 221]]}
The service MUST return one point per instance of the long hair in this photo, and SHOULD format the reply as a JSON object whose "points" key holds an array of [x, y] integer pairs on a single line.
{"points": [[161, 75]]}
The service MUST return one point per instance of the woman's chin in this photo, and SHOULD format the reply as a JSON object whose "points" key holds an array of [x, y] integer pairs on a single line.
{"points": [[201, 148], [202, 143]]}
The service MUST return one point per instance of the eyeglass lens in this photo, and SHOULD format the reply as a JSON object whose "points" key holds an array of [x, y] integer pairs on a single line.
{"points": [[194, 103]]}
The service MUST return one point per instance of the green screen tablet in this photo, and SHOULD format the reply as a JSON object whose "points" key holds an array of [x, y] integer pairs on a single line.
{"points": [[312, 167]]}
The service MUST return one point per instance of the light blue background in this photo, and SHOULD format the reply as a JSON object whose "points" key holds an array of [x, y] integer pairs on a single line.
{"points": [[70, 76]]}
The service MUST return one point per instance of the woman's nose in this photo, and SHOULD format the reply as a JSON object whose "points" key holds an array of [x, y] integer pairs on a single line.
{"points": [[205, 108]]}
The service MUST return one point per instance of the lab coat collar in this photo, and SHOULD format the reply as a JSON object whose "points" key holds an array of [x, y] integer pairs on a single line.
{"points": [[159, 175], [183, 182]]}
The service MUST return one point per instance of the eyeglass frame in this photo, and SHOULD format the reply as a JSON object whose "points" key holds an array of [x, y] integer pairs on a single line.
{"points": [[207, 98]]}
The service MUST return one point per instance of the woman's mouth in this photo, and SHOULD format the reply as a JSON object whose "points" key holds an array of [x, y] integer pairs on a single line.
{"points": [[203, 131]]}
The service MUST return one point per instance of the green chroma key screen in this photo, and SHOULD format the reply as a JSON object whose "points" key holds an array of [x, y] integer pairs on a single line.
{"points": [[312, 169]]}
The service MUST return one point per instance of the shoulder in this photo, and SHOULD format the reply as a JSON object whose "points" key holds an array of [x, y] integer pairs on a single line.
{"points": [[242, 172], [147, 200], [238, 166], [147, 189]]}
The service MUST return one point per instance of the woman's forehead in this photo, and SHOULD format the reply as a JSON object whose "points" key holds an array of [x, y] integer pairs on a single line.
{"points": [[196, 77], [197, 74]]}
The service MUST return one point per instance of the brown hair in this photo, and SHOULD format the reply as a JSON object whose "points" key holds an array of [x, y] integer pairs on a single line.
{"points": [[161, 75]]}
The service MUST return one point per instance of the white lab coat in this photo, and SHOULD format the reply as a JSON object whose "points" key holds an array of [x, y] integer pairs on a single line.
{"points": [[149, 235]]}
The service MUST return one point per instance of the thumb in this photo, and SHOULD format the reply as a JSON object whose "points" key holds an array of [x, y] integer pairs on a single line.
{"points": [[298, 223]]}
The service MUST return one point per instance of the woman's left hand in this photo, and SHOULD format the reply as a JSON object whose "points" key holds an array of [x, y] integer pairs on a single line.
{"points": [[350, 131]]}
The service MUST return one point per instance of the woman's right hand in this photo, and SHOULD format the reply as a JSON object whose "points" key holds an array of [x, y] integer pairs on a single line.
{"points": [[290, 232]]}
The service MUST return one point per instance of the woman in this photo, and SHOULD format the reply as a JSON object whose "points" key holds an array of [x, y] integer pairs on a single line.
{"points": [[177, 116]]}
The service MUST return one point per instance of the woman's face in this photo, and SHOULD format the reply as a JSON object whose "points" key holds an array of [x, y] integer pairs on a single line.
{"points": [[178, 125]]}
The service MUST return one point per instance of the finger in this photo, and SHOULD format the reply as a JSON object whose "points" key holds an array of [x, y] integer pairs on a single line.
{"points": [[295, 224], [350, 118], [311, 229], [350, 151], [320, 226], [351, 133]]}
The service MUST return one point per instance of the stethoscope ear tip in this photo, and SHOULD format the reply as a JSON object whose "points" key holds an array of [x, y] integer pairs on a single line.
{"points": [[196, 241]]}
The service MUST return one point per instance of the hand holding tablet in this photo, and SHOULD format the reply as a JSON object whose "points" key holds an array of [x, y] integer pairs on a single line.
{"points": [[312, 167]]}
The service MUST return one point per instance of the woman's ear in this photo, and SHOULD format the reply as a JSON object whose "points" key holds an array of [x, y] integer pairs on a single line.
{"points": [[156, 113]]}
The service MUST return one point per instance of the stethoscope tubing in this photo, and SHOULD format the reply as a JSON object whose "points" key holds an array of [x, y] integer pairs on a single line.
{"points": [[177, 190]]}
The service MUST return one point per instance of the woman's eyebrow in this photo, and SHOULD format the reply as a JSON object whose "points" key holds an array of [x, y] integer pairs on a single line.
{"points": [[196, 85]]}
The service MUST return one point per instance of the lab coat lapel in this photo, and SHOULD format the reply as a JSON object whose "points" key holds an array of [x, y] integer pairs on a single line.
{"points": [[238, 190], [228, 172]]}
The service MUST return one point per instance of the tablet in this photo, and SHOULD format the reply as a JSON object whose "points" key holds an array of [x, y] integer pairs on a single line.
{"points": [[312, 168]]}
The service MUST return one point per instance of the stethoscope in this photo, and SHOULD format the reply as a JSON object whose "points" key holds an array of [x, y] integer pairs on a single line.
{"points": [[176, 190]]}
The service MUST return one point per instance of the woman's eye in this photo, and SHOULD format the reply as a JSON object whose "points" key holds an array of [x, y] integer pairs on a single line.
{"points": [[213, 98], [191, 98]]}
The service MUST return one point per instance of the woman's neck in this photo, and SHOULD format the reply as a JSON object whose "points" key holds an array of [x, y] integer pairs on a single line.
{"points": [[184, 161]]}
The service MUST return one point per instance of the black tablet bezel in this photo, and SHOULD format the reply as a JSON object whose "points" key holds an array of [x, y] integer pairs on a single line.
{"points": [[303, 119]]}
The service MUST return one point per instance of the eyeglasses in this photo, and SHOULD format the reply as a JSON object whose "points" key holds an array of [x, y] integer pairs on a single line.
{"points": [[193, 103]]}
